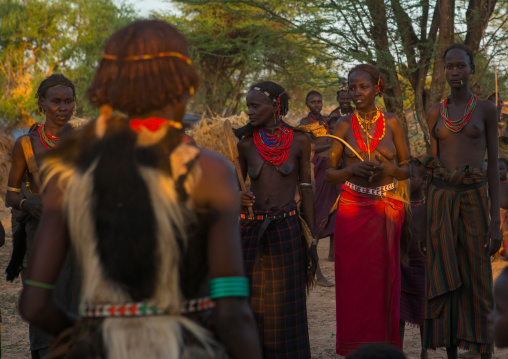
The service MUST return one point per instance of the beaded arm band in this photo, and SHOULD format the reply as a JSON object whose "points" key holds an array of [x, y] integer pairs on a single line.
{"points": [[229, 287], [402, 163], [12, 189], [38, 284]]}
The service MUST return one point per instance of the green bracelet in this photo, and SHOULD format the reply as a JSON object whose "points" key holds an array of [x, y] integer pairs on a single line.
{"points": [[38, 284], [229, 287]]}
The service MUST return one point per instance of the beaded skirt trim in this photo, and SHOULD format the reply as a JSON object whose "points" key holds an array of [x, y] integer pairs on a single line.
{"points": [[262, 217], [139, 309], [378, 191]]}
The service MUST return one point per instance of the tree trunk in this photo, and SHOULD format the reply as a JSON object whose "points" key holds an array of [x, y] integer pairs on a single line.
{"points": [[446, 10], [386, 63], [477, 17]]}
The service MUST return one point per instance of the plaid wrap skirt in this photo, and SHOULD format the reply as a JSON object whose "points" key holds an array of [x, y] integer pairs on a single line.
{"points": [[276, 268]]}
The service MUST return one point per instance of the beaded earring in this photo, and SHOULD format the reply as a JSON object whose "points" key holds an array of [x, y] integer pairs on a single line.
{"points": [[41, 111], [75, 108], [379, 84]]}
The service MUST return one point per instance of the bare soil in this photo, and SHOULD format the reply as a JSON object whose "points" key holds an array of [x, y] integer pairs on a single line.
{"points": [[320, 303]]}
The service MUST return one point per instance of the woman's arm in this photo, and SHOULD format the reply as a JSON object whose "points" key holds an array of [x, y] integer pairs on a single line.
{"points": [[15, 180], [432, 118], [305, 176], [247, 198], [494, 237], [48, 255], [232, 317]]}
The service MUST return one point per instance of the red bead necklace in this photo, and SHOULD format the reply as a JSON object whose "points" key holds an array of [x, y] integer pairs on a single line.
{"points": [[314, 120], [273, 149], [378, 134], [457, 126], [45, 138]]}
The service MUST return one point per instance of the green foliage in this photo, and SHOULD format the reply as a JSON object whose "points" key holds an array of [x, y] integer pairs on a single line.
{"points": [[40, 37], [237, 45]]}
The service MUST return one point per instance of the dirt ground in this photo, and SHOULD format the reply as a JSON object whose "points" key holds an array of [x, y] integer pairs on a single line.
{"points": [[321, 312]]}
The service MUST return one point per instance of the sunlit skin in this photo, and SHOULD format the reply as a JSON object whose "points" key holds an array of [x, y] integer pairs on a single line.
{"points": [[498, 318], [383, 165], [273, 186], [58, 105], [456, 150], [503, 185], [315, 105]]}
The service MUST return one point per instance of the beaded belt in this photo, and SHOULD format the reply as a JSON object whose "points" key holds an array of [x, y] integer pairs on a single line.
{"points": [[138, 309], [378, 191], [262, 217]]}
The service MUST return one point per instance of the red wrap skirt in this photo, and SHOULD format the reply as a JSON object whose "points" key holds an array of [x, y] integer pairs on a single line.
{"points": [[367, 270]]}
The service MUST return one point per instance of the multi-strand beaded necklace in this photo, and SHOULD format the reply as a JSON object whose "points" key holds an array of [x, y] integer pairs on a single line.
{"points": [[46, 139], [273, 149], [457, 126], [359, 122]]}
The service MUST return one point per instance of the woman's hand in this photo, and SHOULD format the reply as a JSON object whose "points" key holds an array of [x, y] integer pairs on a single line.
{"points": [[493, 238], [363, 169], [33, 206], [383, 169], [247, 199]]}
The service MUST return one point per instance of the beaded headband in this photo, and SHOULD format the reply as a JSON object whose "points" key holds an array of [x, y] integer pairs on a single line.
{"points": [[266, 93], [149, 57]]}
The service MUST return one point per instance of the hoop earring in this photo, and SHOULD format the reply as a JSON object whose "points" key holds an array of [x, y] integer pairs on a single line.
{"points": [[41, 111]]}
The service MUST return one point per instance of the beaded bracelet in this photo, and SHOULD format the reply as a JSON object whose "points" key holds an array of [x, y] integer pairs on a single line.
{"points": [[38, 284], [21, 203], [229, 287]]}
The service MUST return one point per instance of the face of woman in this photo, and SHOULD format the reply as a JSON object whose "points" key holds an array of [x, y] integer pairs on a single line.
{"points": [[315, 104], [260, 109], [344, 100], [58, 104], [458, 68], [362, 90]]}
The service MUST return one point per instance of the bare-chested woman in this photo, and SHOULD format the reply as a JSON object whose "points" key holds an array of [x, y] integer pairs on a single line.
{"points": [[460, 237], [369, 218], [325, 194], [276, 159]]}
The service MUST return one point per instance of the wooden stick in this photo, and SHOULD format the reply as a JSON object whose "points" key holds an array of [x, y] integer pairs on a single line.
{"points": [[346, 144], [233, 152], [495, 77]]}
